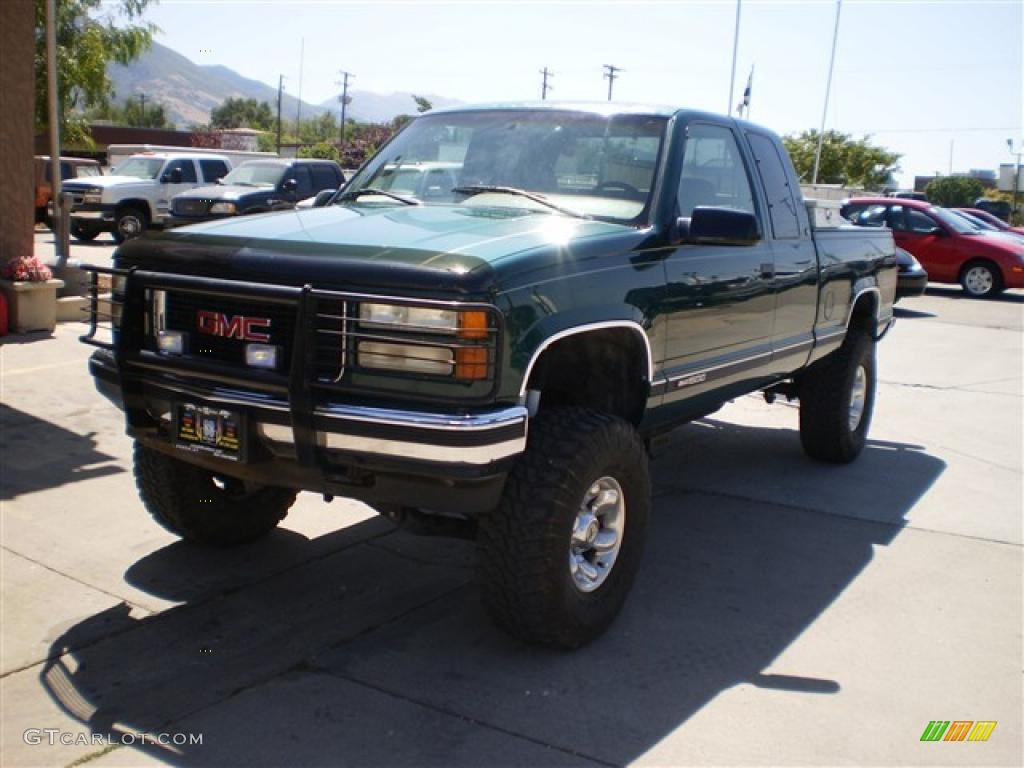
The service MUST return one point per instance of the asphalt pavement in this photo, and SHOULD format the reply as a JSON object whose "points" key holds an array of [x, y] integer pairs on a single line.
{"points": [[787, 612]]}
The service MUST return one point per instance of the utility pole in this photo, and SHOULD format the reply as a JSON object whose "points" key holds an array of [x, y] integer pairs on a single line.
{"points": [[298, 115], [610, 73], [142, 108], [1016, 179], [544, 88], [280, 90], [344, 103]]}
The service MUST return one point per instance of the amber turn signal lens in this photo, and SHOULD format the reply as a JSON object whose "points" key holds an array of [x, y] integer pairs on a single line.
{"points": [[473, 325], [471, 363]]}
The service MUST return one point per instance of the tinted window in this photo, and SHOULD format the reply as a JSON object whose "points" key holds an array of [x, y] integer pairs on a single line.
{"points": [[916, 221], [213, 169], [781, 200], [188, 170], [324, 177], [713, 171]]}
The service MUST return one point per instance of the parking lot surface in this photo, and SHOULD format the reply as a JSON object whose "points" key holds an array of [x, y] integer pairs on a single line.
{"points": [[787, 612]]}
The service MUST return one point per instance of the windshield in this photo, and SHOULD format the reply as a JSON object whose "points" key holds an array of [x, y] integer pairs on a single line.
{"points": [[597, 165], [975, 221], [140, 167], [957, 223], [255, 175]]}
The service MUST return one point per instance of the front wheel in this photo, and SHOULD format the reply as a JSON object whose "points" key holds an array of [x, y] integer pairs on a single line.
{"points": [[84, 232], [837, 398], [204, 507], [981, 279], [559, 554]]}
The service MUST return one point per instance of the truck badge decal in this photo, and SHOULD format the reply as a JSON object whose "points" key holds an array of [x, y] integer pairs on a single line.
{"points": [[689, 381], [233, 327]]}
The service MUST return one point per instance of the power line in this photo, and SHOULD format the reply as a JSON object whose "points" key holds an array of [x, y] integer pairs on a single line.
{"points": [[610, 73], [544, 88]]}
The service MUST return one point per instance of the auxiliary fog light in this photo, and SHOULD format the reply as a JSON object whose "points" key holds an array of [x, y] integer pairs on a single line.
{"points": [[261, 355], [171, 342]]}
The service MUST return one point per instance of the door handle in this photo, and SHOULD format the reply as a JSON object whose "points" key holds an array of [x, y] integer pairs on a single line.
{"points": [[767, 271]]}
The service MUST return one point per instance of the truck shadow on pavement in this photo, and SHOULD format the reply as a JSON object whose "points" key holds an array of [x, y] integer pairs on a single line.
{"points": [[36, 454], [373, 649]]}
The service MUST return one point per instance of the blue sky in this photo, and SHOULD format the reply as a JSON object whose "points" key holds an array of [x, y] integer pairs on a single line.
{"points": [[915, 74]]}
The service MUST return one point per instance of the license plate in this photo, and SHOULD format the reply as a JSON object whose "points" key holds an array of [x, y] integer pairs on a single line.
{"points": [[215, 431]]}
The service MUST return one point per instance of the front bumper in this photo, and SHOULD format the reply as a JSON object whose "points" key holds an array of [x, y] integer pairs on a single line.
{"points": [[446, 462], [93, 213]]}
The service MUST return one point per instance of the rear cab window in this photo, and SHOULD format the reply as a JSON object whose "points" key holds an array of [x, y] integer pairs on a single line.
{"points": [[783, 209], [213, 169]]}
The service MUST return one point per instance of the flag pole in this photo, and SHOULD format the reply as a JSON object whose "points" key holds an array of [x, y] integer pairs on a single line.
{"points": [[735, 48], [828, 89]]}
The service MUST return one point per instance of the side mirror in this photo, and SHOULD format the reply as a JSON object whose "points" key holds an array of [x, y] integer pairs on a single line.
{"points": [[322, 197], [936, 232], [721, 226], [172, 176], [289, 185]]}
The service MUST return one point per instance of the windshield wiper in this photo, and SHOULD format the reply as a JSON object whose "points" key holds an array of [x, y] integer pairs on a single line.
{"points": [[479, 189], [355, 193]]}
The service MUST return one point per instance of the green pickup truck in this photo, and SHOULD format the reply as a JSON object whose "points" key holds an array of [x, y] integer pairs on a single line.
{"points": [[492, 351]]}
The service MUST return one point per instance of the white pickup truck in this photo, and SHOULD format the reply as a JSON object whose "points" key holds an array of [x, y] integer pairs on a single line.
{"points": [[137, 193]]}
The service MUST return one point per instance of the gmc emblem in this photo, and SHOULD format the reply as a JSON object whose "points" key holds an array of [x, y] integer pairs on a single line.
{"points": [[236, 327]]}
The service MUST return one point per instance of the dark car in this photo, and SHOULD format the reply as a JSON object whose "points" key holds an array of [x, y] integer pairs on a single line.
{"points": [[912, 278], [998, 208], [256, 186]]}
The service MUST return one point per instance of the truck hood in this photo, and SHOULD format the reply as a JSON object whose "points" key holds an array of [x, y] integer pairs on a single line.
{"points": [[105, 182], [224, 192], [459, 248]]}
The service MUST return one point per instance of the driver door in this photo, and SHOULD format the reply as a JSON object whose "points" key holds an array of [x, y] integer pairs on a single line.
{"points": [[177, 176]]}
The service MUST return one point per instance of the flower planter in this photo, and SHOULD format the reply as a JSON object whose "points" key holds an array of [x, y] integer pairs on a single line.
{"points": [[31, 306]]}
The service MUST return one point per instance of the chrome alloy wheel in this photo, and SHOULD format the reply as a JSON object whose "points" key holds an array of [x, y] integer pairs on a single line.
{"points": [[858, 397], [979, 280], [597, 534], [129, 226]]}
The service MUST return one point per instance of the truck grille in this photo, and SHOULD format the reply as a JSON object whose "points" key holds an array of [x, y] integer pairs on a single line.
{"points": [[182, 312], [190, 207]]}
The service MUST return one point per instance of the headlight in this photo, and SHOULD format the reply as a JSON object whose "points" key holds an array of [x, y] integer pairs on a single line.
{"points": [[413, 318], [469, 358], [92, 195], [222, 208]]}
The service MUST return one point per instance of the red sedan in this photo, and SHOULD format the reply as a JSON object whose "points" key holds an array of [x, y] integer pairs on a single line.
{"points": [[949, 247], [992, 219]]}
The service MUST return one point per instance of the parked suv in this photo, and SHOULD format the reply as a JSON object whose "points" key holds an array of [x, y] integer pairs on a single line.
{"points": [[256, 186], [70, 168], [137, 193], [949, 247]]}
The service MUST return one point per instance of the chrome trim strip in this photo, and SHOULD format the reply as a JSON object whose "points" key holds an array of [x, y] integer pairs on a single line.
{"points": [[577, 329], [482, 454], [470, 422], [730, 364]]}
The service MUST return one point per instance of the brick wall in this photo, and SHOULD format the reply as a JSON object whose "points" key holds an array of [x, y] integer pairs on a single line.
{"points": [[17, 53]]}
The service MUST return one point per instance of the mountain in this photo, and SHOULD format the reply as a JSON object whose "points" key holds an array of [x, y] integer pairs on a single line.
{"points": [[188, 91], [370, 107]]}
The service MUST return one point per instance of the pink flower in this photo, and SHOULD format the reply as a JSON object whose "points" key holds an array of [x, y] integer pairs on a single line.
{"points": [[26, 269]]}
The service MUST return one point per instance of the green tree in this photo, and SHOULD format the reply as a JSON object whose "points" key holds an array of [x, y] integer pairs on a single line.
{"points": [[422, 104], [323, 151], [844, 160], [243, 113], [90, 35], [954, 191], [132, 113]]}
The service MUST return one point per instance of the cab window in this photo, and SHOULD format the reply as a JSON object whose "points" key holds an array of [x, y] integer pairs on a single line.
{"points": [[713, 171], [188, 170], [782, 204], [213, 169]]}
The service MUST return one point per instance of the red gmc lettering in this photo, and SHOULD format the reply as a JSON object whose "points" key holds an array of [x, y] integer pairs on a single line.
{"points": [[233, 327]]}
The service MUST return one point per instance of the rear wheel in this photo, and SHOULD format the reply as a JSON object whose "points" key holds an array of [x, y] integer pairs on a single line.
{"points": [[837, 398], [129, 223], [559, 555], [204, 507], [981, 279]]}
